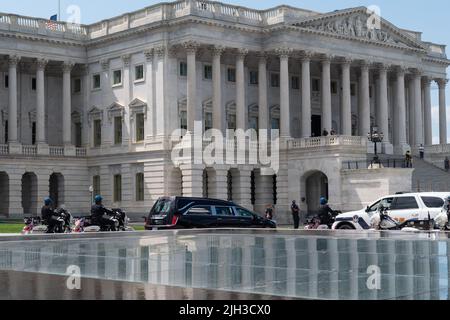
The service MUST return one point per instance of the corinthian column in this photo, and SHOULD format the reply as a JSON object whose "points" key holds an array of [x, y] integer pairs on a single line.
{"points": [[346, 102], [401, 143], [262, 93], [191, 50], [364, 103], [217, 89], [327, 121], [442, 111], [67, 104], [12, 114], [306, 95], [418, 119], [383, 115], [428, 127], [40, 101], [285, 128], [241, 119]]}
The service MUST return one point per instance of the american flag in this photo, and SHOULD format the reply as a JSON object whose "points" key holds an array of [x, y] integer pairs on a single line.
{"points": [[51, 24]]}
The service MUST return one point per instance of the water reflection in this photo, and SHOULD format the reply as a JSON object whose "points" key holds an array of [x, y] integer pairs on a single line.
{"points": [[316, 267]]}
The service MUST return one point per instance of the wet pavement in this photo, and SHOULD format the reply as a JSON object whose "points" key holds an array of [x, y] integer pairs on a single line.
{"points": [[254, 263]]}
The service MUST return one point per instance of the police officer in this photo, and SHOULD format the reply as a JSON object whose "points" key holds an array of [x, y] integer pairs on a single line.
{"points": [[49, 216], [99, 215], [326, 215], [295, 214]]}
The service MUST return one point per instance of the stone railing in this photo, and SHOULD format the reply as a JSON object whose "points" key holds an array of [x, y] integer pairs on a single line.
{"points": [[319, 142], [29, 150], [153, 14], [80, 152], [4, 149], [38, 26], [56, 151], [438, 149]]}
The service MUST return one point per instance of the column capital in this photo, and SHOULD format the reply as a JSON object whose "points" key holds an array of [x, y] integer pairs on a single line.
{"points": [[105, 64], [426, 80], [442, 83], [67, 66], [382, 67], [326, 58], [284, 52], [126, 58], [242, 53], [217, 51], [346, 61], [149, 53], [306, 56], [13, 60], [191, 46], [365, 65], [84, 69], [401, 70], [263, 57], [160, 51], [416, 72], [41, 64]]}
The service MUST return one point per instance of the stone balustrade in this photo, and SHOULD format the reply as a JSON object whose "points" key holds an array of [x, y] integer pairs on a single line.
{"points": [[318, 142], [56, 151], [438, 149], [32, 150]]}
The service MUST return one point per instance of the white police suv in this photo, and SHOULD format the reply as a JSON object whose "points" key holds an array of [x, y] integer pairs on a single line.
{"points": [[403, 207]]}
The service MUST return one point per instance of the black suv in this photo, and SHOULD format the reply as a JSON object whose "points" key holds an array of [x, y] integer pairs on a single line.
{"points": [[186, 213]]}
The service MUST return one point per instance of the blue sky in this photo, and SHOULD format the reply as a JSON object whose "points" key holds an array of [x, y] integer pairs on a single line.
{"points": [[429, 17]]}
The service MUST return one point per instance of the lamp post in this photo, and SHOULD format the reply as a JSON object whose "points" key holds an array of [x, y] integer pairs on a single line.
{"points": [[375, 137]]}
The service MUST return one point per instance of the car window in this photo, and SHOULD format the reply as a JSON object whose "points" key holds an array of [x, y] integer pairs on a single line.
{"points": [[433, 202], [224, 211], [374, 207], [386, 202], [161, 207], [199, 210], [244, 213], [404, 203]]}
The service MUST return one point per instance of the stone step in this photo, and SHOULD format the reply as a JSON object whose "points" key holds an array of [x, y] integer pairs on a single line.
{"points": [[428, 177]]}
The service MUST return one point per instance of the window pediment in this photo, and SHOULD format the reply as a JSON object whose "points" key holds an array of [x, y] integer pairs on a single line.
{"points": [[137, 106], [115, 110], [95, 114]]}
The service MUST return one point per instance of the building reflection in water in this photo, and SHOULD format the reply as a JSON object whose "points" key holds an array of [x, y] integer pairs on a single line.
{"points": [[315, 267]]}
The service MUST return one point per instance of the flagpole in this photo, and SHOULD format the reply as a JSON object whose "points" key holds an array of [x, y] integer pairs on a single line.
{"points": [[59, 10]]}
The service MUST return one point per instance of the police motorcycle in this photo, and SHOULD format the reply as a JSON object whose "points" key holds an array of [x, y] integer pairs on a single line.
{"points": [[381, 220], [35, 225], [117, 217], [442, 219]]}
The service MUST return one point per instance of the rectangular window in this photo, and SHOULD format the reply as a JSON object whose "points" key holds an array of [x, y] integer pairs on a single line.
{"points": [[6, 81], [96, 81], [139, 72], [353, 89], [96, 185], [117, 188], [254, 77], [315, 85], [140, 127], [207, 72], [183, 120], [231, 75], [275, 80], [118, 130], [78, 135], [295, 81], [117, 77], [404, 203], [183, 69], [232, 122], [208, 121], [140, 187], [77, 85], [334, 87], [97, 133], [33, 84], [370, 91], [33, 133]]}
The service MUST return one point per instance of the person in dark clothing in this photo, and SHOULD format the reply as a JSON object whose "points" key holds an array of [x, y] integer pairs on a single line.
{"points": [[326, 215], [408, 159], [447, 164], [99, 215], [49, 216], [325, 133], [295, 214], [269, 212]]}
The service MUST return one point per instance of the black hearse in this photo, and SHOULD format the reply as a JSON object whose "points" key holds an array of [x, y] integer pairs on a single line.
{"points": [[188, 213]]}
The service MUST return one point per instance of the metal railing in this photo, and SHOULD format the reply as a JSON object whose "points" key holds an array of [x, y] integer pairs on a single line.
{"points": [[371, 164]]}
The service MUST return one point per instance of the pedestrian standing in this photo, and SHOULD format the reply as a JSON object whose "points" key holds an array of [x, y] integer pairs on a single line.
{"points": [[408, 159], [269, 212], [447, 164], [422, 151], [325, 133], [295, 214]]}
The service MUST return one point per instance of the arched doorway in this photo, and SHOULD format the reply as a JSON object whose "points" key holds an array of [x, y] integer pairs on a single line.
{"points": [[316, 187], [56, 187], [4, 194], [29, 194], [175, 182]]}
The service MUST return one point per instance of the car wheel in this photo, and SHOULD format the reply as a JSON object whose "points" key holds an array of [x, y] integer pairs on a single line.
{"points": [[345, 226]]}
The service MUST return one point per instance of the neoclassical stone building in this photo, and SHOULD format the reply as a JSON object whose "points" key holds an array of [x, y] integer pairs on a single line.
{"points": [[95, 105]]}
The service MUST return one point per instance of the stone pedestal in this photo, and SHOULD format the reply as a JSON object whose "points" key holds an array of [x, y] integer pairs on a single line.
{"points": [[15, 148], [43, 149], [69, 151]]}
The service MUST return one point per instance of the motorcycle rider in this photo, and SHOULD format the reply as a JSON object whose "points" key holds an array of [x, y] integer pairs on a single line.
{"points": [[49, 216], [98, 213], [326, 215]]}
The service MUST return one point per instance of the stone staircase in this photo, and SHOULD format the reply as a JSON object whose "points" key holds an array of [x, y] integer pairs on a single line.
{"points": [[428, 177]]}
